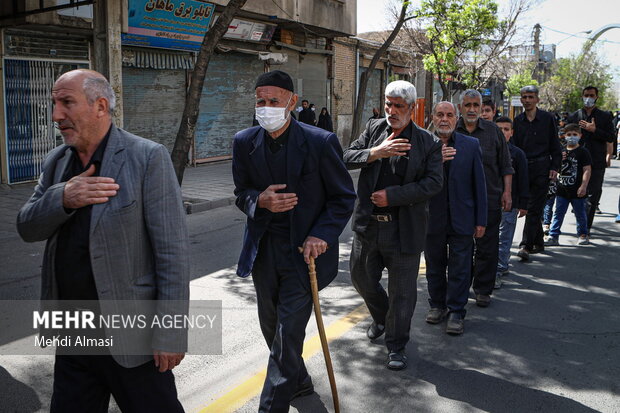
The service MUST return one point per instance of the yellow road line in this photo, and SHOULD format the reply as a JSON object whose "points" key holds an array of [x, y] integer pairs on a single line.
{"points": [[241, 394]]}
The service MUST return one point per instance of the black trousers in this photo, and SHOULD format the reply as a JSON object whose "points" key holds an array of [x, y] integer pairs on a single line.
{"points": [[84, 384], [486, 254], [284, 308], [373, 251], [539, 186], [452, 252], [595, 190]]}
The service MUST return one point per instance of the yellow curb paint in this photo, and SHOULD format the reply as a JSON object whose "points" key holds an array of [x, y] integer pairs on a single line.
{"points": [[241, 394]]}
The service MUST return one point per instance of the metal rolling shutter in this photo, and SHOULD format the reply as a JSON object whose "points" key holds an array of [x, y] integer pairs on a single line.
{"points": [[153, 103], [227, 102]]}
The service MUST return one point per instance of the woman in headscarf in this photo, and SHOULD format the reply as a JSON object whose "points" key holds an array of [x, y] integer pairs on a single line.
{"points": [[325, 121]]}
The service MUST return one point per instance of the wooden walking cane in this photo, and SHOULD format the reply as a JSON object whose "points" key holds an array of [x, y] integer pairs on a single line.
{"points": [[319, 322]]}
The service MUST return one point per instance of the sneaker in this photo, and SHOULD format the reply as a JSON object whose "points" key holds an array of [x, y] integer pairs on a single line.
{"points": [[546, 229], [523, 254], [618, 218], [435, 315], [552, 241], [583, 240], [498, 282]]}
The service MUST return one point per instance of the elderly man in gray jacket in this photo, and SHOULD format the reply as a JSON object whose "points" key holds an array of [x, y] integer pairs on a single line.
{"points": [[109, 206]]}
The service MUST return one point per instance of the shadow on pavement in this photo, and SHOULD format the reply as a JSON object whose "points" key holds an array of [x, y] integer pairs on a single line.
{"points": [[18, 397]]}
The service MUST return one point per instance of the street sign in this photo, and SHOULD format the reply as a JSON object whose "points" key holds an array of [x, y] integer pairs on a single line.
{"points": [[168, 24]]}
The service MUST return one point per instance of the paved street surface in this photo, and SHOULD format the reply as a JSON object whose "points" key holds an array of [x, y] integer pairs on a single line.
{"points": [[550, 341]]}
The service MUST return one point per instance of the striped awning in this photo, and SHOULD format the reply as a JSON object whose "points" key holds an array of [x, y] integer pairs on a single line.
{"points": [[157, 59]]}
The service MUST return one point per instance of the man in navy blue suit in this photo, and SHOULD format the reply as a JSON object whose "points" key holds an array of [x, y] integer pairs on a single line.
{"points": [[457, 214], [292, 184]]}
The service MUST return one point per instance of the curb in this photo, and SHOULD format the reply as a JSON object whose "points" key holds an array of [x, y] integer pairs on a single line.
{"points": [[194, 206]]}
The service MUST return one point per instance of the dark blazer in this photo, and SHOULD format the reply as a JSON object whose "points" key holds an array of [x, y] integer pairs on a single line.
{"points": [[316, 173], [139, 243], [467, 190], [423, 179]]}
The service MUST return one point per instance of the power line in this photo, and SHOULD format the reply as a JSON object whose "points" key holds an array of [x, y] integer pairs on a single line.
{"points": [[579, 37]]}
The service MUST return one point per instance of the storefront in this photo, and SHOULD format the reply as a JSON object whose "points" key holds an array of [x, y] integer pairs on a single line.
{"points": [[31, 62]]}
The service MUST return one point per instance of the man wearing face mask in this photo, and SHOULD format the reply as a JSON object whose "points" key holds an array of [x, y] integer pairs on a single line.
{"points": [[291, 183], [401, 169], [597, 130]]}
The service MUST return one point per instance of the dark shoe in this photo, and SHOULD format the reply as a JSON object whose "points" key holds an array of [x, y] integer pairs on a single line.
{"points": [[598, 211], [455, 325], [537, 248], [523, 254], [435, 315], [397, 360], [483, 300], [375, 330], [304, 389]]}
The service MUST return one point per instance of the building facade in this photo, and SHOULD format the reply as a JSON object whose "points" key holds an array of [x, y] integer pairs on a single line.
{"points": [[148, 49]]}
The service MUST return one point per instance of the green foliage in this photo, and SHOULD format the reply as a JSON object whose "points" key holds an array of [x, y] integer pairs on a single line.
{"points": [[456, 28], [517, 81], [562, 92]]}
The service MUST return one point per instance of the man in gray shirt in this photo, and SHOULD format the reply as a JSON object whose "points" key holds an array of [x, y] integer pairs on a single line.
{"points": [[498, 173]]}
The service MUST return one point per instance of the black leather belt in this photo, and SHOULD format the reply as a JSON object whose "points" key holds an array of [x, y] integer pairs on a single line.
{"points": [[383, 217], [539, 159]]}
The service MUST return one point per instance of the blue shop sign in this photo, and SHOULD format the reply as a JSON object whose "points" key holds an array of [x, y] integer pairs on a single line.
{"points": [[168, 24]]}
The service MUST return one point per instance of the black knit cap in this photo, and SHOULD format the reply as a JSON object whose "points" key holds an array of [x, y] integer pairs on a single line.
{"points": [[275, 78]]}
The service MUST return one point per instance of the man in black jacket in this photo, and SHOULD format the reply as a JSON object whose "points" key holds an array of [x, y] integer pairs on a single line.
{"points": [[306, 115], [597, 130], [401, 170]]}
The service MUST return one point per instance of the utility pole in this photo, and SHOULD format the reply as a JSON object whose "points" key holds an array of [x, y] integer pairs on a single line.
{"points": [[537, 58]]}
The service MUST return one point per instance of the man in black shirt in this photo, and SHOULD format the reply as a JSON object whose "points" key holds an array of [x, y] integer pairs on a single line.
{"points": [[291, 183], [597, 130], [535, 133], [401, 169], [498, 176], [109, 205], [307, 114]]}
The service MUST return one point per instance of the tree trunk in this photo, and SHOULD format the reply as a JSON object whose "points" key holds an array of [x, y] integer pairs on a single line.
{"points": [[444, 90], [187, 129], [356, 127]]}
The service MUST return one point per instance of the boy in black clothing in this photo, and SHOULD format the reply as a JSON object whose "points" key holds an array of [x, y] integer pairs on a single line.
{"points": [[572, 187], [520, 197]]}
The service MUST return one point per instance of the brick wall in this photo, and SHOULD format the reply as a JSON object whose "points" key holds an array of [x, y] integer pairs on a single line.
{"points": [[343, 86]]}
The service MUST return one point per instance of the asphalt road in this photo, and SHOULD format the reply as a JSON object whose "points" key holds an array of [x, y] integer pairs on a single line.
{"points": [[550, 341]]}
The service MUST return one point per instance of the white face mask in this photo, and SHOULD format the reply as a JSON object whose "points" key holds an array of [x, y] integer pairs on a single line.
{"points": [[271, 119], [589, 102]]}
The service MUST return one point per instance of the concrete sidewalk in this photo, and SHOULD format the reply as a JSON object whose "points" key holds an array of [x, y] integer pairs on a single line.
{"points": [[205, 187]]}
